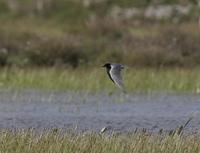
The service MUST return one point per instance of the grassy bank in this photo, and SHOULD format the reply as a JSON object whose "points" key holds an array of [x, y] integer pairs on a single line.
{"points": [[96, 79], [76, 34], [30, 142], [45, 43]]}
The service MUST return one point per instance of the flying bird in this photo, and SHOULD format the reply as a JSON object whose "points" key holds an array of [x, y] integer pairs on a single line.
{"points": [[114, 73]]}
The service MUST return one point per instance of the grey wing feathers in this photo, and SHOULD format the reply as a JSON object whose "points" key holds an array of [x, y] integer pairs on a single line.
{"points": [[115, 73]]}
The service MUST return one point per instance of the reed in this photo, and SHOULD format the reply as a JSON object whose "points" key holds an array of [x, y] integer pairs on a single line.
{"points": [[96, 79], [29, 141]]}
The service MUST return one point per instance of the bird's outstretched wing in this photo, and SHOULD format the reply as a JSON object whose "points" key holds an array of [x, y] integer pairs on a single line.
{"points": [[115, 73]]}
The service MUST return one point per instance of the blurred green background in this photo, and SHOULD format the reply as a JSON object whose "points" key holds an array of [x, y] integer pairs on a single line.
{"points": [[87, 33]]}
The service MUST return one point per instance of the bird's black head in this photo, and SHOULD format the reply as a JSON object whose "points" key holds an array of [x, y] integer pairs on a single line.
{"points": [[107, 65]]}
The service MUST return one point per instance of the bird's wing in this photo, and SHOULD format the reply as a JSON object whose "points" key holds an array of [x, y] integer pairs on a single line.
{"points": [[115, 73]]}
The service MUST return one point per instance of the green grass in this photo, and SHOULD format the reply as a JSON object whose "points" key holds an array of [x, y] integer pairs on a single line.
{"points": [[70, 142], [96, 79]]}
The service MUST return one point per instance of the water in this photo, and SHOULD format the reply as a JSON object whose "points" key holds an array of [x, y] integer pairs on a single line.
{"points": [[93, 111]]}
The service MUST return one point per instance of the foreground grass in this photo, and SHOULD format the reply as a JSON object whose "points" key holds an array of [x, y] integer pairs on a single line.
{"points": [[136, 80], [46, 142]]}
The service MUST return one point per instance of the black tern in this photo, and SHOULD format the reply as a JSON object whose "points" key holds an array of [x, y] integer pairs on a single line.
{"points": [[114, 73]]}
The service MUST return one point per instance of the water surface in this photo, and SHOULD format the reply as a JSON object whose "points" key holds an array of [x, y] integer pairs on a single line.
{"points": [[93, 111]]}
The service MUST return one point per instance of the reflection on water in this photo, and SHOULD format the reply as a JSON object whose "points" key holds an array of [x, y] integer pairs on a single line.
{"points": [[92, 111]]}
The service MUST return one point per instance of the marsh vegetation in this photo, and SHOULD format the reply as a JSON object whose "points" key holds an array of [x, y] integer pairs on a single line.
{"points": [[95, 79], [53, 141], [68, 33]]}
